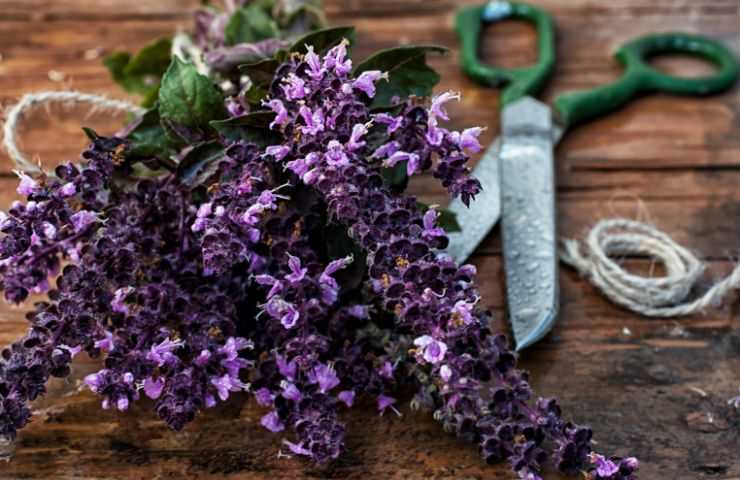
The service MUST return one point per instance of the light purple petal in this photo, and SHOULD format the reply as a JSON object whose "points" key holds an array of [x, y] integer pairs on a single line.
{"points": [[347, 397], [153, 387], [272, 422]]}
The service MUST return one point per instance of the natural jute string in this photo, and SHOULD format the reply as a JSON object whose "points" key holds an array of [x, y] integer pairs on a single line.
{"points": [[31, 100], [649, 296]]}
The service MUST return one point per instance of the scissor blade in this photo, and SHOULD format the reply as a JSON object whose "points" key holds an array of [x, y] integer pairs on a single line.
{"points": [[528, 221], [478, 219]]}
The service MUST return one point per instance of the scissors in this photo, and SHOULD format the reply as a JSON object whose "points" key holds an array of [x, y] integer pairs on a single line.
{"points": [[517, 170]]}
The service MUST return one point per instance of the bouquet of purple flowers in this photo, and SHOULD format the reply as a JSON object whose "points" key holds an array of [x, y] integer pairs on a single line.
{"points": [[250, 232]]}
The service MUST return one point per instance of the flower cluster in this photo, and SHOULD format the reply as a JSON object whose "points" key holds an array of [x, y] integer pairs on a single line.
{"points": [[468, 373], [294, 271]]}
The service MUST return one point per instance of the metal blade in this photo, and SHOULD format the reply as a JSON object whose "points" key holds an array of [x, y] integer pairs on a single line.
{"points": [[478, 219], [528, 221]]}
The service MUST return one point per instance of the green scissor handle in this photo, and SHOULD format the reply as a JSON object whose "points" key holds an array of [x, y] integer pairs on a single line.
{"points": [[639, 77], [517, 82]]}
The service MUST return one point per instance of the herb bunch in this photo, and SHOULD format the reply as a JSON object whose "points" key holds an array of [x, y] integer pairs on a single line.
{"points": [[250, 233]]}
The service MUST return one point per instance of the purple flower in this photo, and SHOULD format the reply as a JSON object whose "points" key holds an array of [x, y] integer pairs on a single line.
{"points": [[203, 357], [153, 387], [118, 304], [325, 376], [68, 189], [264, 397], [233, 346], [122, 404], [387, 150], [347, 397], [386, 370], [297, 273], [412, 160], [329, 286], [272, 422], [226, 383], [82, 219], [335, 154], [336, 59], [291, 392], [355, 139], [162, 352], [604, 467], [106, 343], [434, 134], [366, 81], [302, 165], [393, 123], [201, 216], [294, 87], [385, 402], [94, 381], [253, 215], [288, 369], [432, 350], [462, 313], [27, 185], [430, 220], [468, 139], [313, 121], [278, 151], [281, 113], [315, 69], [437, 109], [276, 286], [286, 312], [358, 311], [49, 230]]}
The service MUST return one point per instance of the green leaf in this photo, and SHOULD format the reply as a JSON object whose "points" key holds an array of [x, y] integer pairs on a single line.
{"points": [[255, 95], [148, 139], [408, 73], [142, 73], [200, 163], [261, 73], [249, 25], [296, 20], [188, 98], [91, 134], [396, 177], [323, 40], [151, 60], [116, 64], [446, 219], [252, 127]]}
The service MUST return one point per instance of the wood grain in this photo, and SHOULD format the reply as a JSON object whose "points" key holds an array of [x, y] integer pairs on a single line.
{"points": [[656, 389]]}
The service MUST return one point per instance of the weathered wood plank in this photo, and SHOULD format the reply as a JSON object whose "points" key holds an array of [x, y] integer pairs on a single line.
{"points": [[637, 387]]}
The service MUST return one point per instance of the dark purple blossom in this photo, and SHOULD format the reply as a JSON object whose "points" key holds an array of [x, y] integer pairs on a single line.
{"points": [[338, 280]]}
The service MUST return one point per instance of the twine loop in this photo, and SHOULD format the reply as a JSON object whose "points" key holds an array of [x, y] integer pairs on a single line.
{"points": [[650, 296], [31, 100]]}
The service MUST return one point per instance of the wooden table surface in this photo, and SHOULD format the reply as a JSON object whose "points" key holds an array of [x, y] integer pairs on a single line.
{"points": [[656, 389]]}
